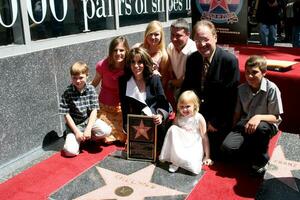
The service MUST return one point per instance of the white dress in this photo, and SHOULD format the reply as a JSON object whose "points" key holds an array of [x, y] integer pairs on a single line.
{"points": [[183, 144]]}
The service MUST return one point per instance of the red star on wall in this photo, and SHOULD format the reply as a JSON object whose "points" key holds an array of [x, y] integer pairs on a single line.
{"points": [[215, 3], [141, 130]]}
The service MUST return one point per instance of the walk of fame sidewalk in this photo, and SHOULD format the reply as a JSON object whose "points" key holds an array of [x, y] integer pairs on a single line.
{"points": [[282, 178]]}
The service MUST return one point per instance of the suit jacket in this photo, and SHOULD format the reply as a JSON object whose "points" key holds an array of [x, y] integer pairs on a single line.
{"points": [[132, 104], [219, 95]]}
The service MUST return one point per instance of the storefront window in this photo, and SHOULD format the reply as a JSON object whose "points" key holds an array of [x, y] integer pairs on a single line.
{"points": [[53, 18], [141, 11], [10, 23], [179, 9]]}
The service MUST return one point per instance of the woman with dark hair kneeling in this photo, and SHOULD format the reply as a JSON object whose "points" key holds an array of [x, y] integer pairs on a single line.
{"points": [[141, 91]]}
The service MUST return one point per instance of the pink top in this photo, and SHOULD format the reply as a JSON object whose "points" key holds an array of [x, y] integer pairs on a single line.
{"points": [[109, 90]]}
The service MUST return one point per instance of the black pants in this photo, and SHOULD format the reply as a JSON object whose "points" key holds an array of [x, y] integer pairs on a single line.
{"points": [[255, 144], [215, 142]]}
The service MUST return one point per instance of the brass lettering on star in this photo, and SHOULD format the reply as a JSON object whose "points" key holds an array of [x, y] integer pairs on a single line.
{"points": [[133, 181]]}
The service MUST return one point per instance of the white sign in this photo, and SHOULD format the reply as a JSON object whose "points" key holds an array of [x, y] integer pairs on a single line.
{"points": [[98, 8]]}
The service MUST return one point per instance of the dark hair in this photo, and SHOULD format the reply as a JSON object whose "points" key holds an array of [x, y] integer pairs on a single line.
{"points": [[257, 61], [146, 59], [115, 42]]}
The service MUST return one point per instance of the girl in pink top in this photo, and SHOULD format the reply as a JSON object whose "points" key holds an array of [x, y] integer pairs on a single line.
{"points": [[108, 71]]}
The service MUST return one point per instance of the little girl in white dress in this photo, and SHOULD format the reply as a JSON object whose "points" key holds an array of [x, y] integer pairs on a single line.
{"points": [[186, 143]]}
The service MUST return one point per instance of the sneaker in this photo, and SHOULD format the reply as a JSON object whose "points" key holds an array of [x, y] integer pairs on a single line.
{"points": [[173, 168]]}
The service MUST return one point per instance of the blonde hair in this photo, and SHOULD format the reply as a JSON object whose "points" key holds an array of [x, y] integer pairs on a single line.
{"points": [[257, 61], [78, 68], [189, 96], [152, 27]]}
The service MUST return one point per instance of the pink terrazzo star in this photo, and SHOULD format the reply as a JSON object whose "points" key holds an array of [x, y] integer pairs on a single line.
{"points": [[135, 186], [281, 168]]}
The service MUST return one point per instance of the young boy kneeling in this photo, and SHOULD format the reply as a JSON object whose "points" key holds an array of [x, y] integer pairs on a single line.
{"points": [[257, 115], [79, 105]]}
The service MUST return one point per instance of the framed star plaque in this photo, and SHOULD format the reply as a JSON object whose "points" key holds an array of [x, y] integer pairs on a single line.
{"points": [[141, 138]]}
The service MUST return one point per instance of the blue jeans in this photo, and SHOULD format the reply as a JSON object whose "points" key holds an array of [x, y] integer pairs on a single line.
{"points": [[296, 36], [268, 34]]}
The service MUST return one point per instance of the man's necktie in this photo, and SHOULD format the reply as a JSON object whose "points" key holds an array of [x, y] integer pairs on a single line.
{"points": [[204, 72]]}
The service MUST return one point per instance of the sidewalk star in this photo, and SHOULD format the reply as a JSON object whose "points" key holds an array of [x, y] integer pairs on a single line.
{"points": [[281, 168], [135, 186]]}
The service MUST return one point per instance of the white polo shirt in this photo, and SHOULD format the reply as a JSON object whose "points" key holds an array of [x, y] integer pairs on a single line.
{"points": [[178, 59]]}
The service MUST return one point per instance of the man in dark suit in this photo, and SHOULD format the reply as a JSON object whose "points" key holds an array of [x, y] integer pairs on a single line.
{"points": [[213, 74]]}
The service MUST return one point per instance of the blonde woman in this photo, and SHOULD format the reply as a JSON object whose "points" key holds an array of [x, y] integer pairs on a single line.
{"points": [[154, 43]]}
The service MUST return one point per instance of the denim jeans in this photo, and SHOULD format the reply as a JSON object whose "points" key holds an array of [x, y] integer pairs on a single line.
{"points": [[268, 34]]}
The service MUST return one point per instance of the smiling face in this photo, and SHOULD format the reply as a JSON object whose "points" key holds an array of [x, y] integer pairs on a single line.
{"points": [[179, 38], [79, 81], [119, 53], [153, 38], [205, 40], [186, 108], [137, 66], [253, 77]]}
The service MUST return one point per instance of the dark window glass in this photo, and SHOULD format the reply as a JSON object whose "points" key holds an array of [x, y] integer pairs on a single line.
{"points": [[141, 11], [179, 9], [53, 18], [10, 23]]}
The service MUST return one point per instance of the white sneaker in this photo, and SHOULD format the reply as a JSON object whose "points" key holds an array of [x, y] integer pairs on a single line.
{"points": [[173, 168]]}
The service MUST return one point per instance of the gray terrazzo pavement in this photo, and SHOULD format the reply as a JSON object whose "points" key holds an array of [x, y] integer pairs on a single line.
{"points": [[92, 180], [282, 178]]}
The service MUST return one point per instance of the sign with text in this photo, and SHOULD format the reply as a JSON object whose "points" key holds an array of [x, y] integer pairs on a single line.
{"points": [[229, 17], [141, 138], [38, 9]]}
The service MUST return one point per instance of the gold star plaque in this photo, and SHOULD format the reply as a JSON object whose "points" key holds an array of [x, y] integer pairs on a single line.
{"points": [[141, 140]]}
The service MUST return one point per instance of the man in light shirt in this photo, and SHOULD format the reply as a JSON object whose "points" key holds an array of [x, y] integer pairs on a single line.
{"points": [[179, 49]]}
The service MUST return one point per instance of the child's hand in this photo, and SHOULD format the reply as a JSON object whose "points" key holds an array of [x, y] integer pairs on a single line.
{"points": [[252, 124], [87, 134], [208, 161], [80, 137]]}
